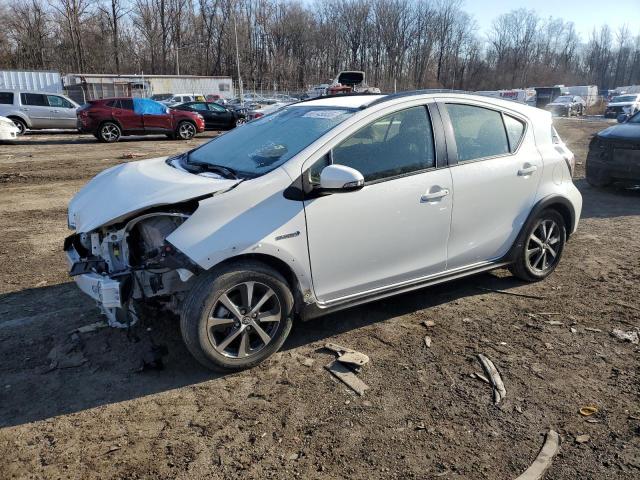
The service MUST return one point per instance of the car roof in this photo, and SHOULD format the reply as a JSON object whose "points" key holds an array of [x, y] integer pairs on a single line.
{"points": [[348, 101]]}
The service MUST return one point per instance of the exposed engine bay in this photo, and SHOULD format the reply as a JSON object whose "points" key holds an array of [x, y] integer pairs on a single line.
{"points": [[132, 261]]}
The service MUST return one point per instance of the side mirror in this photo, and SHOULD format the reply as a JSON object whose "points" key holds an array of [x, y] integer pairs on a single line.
{"points": [[339, 178]]}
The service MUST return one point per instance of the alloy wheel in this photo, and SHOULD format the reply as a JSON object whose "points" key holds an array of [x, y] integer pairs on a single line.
{"points": [[21, 126], [543, 246], [186, 131], [244, 320], [110, 132]]}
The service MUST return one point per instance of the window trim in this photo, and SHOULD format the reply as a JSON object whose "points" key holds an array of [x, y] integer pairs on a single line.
{"points": [[452, 146], [436, 165]]}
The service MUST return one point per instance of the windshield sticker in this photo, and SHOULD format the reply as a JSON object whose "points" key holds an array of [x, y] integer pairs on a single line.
{"points": [[323, 114]]}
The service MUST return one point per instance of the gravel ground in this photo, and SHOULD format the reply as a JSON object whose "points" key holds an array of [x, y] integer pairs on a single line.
{"points": [[424, 416]]}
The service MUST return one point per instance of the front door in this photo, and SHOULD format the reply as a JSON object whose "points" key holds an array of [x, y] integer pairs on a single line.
{"points": [[495, 179], [395, 229], [63, 112]]}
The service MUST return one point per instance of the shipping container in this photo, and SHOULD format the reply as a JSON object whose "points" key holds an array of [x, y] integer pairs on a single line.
{"points": [[84, 87], [39, 81]]}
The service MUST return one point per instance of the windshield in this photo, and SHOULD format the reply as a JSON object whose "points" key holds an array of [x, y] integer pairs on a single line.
{"points": [[264, 144], [624, 98], [564, 99], [160, 96]]}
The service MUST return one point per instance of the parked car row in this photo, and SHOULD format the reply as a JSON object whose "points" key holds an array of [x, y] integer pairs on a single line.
{"points": [[623, 105]]}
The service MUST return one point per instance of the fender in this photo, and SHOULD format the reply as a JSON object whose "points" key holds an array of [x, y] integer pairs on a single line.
{"points": [[21, 116], [564, 207]]}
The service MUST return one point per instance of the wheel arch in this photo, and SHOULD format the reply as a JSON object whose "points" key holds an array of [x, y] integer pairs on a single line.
{"points": [[21, 117], [278, 265], [554, 202]]}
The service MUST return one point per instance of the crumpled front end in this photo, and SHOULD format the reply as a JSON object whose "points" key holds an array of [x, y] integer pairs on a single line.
{"points": [[131, 262]]}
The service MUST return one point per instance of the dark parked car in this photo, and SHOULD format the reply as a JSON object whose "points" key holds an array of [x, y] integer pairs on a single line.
{"points": [[108, 119], [567, 106], [614, 155], [216, 117]]}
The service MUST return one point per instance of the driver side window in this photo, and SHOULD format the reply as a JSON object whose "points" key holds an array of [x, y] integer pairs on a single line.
{"points": [[394, 145]]}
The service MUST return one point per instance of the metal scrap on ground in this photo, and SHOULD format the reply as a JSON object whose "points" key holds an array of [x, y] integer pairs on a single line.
{"points": [[535, 297], [544, 458], [499, 392], [341, 367]]}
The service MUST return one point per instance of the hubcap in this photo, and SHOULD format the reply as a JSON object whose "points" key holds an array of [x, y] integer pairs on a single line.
{"points": [[543, 246], [244, 320], [187, 130], [20, 126], [110, 132]]}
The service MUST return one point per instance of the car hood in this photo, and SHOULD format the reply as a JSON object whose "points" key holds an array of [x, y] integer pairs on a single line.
{"points": [[558, 104], [625, 131], [126, 189], [620, 104]]}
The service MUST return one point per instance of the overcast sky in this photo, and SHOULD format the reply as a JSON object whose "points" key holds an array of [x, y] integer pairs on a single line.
{"points": [[585, 14]]}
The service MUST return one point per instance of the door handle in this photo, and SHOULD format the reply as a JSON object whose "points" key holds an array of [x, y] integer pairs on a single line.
{"points": [[527, 169], [435, 195]]}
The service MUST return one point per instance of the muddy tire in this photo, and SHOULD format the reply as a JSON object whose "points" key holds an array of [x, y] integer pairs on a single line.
{"points": [[542, 247], [109, 132], [236, 316]]}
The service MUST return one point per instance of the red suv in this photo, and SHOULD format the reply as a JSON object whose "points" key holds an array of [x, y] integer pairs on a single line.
{"points": [[110, 118]]}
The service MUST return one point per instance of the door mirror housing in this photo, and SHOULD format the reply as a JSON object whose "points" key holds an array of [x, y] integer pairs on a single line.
{"points": [[340, 178]]}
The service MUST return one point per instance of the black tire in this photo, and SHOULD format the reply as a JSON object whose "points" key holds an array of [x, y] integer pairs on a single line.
{"points": [[185, 130], [526, 261], [109, 132], [18, 122], [206, 300]]}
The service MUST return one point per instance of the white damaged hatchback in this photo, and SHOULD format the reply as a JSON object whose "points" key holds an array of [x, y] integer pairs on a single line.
{"points": [[319, 206]]}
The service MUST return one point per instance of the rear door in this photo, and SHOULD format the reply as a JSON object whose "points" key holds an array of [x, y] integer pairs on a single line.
{"points": [[63, 112], [122, 111], [223, 118], [495, 169], [36, 107], [201, 108]]}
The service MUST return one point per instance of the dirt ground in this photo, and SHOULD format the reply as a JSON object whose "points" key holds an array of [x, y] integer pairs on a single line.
{"points": [[424, 416]]}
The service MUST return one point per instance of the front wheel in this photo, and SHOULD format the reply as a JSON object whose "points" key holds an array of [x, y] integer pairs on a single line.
{"points": [[22, 127], [185, 131], [236, 317], [542, 248]]}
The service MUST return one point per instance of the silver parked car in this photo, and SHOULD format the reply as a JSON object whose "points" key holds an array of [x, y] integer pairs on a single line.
{"points": [[320, 206], [38, 110]]}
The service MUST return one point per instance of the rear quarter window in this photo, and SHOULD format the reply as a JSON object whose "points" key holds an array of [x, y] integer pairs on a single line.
{"points": [[6, 98], [515, 132]]}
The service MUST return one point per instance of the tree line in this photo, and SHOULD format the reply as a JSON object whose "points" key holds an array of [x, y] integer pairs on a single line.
{"points": [[287, 45]]}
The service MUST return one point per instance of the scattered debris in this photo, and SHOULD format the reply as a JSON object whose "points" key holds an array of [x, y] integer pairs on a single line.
{"points": [[429, 323], [592, 420], [582, 438], [504, 292], [628, 336], [427, 341], [590, 329], [130, 155], [588, 410], [573, 330], [499, 392], [518, 409], [480, 377], [544, 458], [555, 323], [307, 362], [112, 449], [348, 355], [346, 376], [548, 346], [92, 327], [627, 305], [67, 354]]}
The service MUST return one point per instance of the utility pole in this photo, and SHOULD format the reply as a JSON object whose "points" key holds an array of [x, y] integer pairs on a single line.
{"points": [[177, 60], [235, 28]]}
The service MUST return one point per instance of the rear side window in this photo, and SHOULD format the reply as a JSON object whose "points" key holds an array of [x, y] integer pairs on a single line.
{"points": [[6, 98], [515, 132], [216, 108], [56, 101], [479, 132], [123, 103], [198, 106], [34, 99], [396, 144]]}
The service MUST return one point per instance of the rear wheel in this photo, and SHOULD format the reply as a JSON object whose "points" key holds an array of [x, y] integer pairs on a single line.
{"points": [[22, 127], [185, 131], [109, 132], [541, 251], [237, 317]]}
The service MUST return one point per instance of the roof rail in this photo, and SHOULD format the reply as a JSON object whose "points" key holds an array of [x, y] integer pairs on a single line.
{"points": [[409, 93]]}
